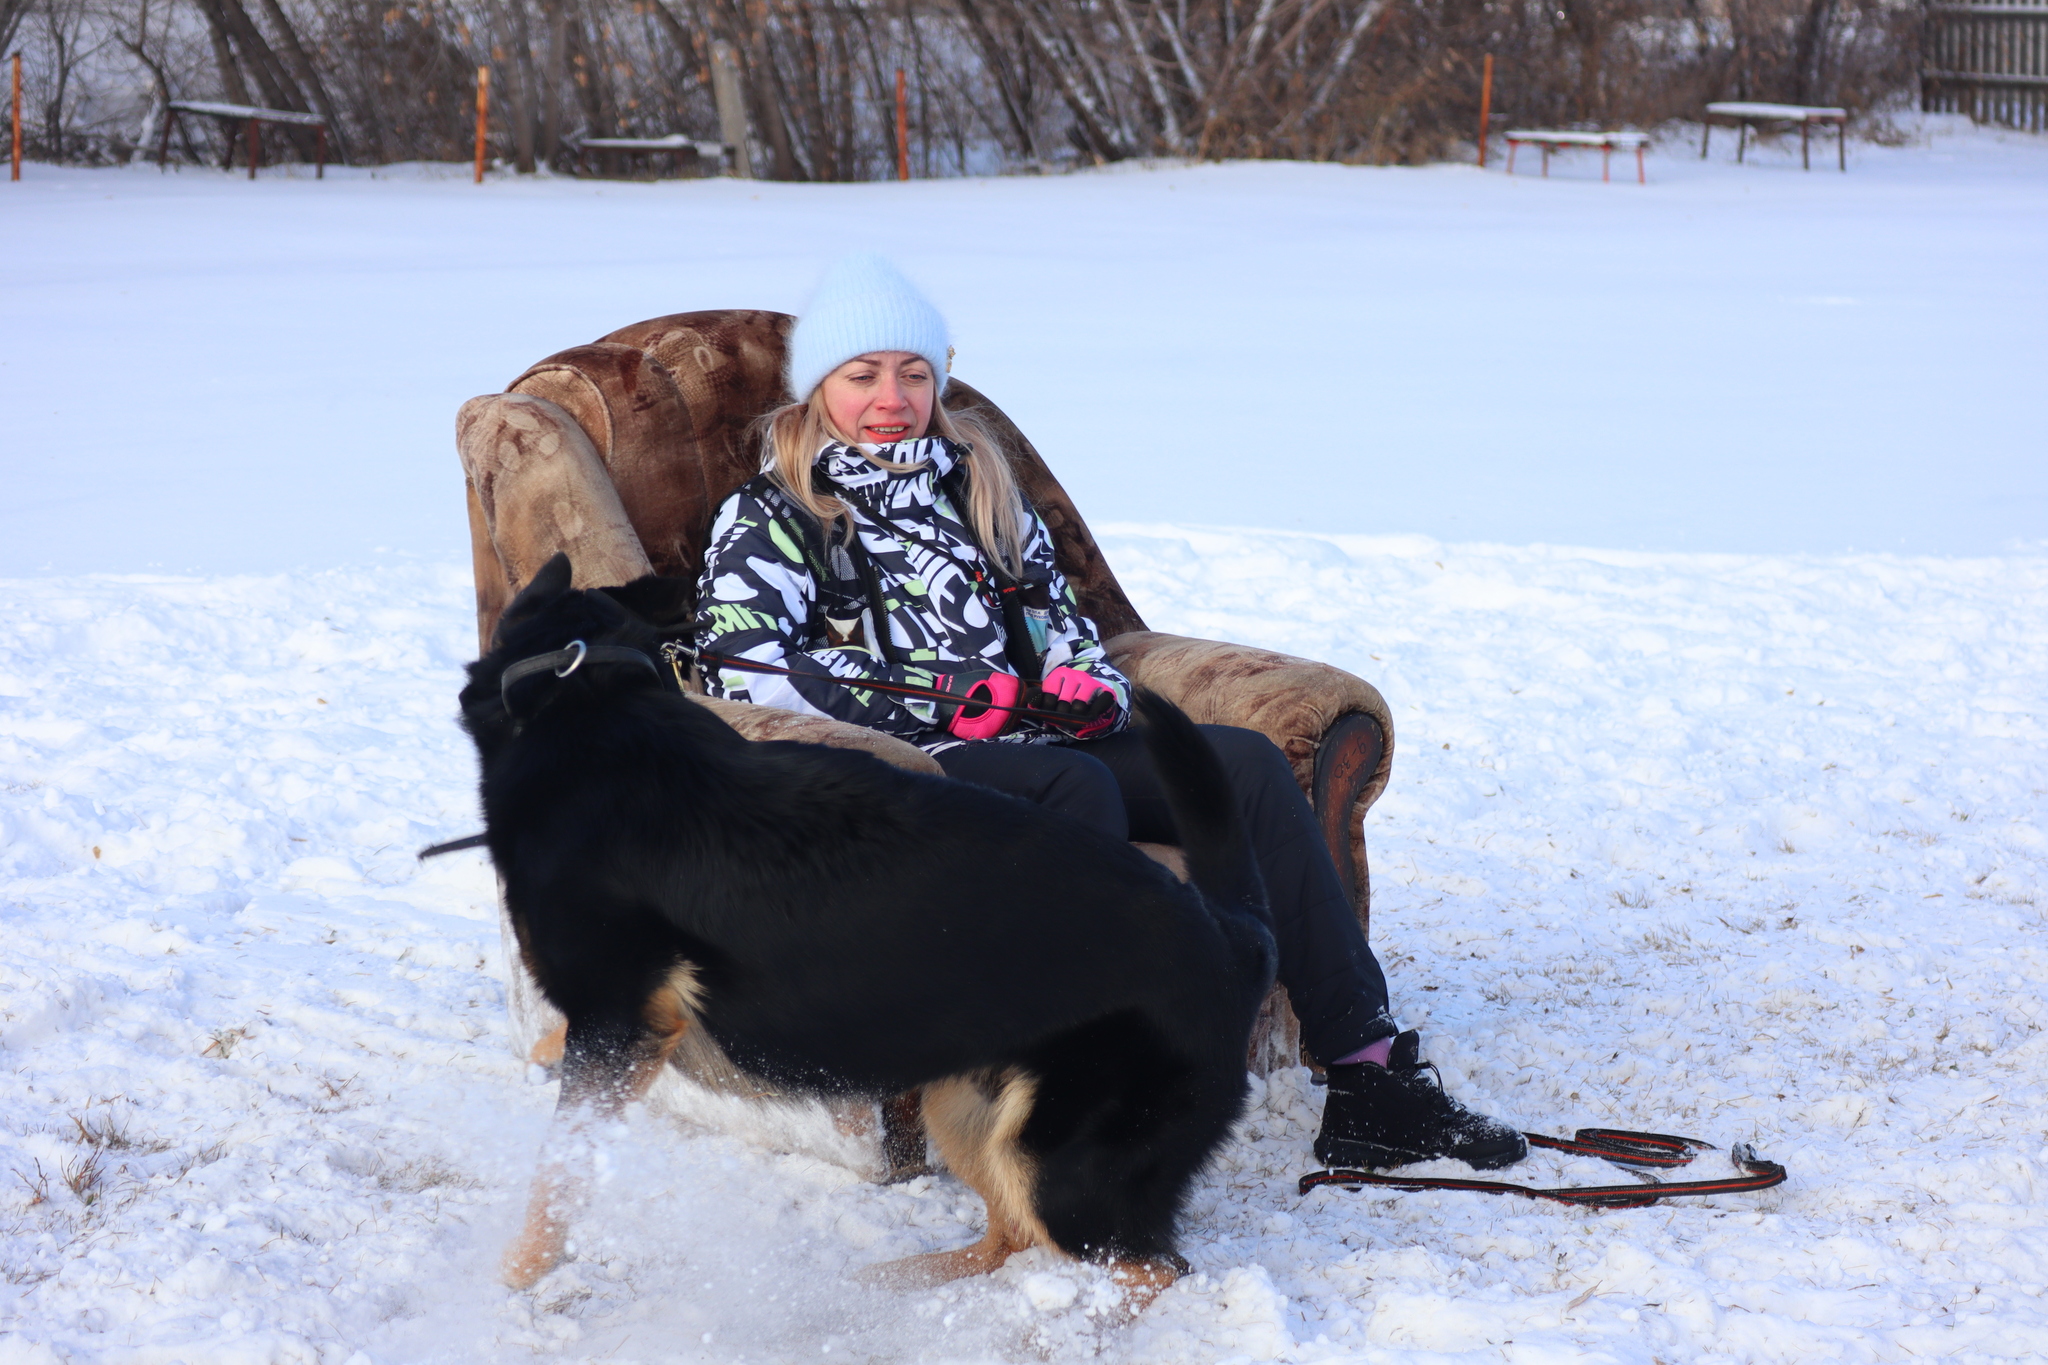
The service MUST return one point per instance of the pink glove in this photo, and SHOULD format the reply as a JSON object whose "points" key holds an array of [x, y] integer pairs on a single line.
{"points": [[1090, 705], [981, 712]]}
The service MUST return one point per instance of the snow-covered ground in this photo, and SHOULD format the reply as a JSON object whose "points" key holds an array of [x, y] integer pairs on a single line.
{"points": [[1743, 845], [1749, 358], [1747, 848]]}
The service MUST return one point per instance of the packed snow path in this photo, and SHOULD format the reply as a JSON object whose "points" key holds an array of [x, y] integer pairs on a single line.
{"points": [[1745, 848]]}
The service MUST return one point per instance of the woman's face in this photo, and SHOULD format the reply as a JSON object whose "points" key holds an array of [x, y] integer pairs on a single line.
{"points": [[880, 397]]}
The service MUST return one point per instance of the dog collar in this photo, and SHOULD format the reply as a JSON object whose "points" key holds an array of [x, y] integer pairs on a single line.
{"points": [[566, 660]]}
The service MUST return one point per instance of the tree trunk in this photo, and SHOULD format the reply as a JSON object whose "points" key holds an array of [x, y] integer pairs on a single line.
{"points": [[728, 89], [53, 107], [309, 78], [811, 99], [276, 83], [525, 82], [551, 84], [12, 12], [1369, 11], [727, 94], [231, 83], [1089, 119], [842, 66], [280, 89], [1169, 119], [587, 59], [765, 85], [1808, 54]]}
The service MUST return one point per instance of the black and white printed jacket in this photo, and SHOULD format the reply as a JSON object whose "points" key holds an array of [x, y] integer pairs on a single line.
{"points": [[777, 591]]}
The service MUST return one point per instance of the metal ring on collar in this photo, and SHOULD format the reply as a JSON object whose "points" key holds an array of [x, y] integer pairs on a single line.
{"points": [[582, 653]]}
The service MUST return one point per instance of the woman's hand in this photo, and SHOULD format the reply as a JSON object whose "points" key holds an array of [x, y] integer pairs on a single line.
{"points": [[1087, 707], [984, 709]]}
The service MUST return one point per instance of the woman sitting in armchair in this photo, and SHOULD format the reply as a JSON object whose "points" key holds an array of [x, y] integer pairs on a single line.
{"points": [[885, 539]]}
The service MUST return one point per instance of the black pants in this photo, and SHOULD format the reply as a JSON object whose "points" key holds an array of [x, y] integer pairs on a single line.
{"points": [[1332, 978]]}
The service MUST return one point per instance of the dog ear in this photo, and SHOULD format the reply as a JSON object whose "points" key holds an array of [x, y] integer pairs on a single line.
{"points": [[657, 600], [547, 585]]}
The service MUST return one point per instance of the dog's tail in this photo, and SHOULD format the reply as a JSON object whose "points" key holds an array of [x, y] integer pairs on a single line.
{"points": [[1212, 836]]}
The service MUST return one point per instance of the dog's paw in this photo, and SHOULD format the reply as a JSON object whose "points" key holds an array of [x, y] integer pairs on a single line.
{"points": [[547, 1052], [528, 1260], [1144, 1281], [543, 1243]]}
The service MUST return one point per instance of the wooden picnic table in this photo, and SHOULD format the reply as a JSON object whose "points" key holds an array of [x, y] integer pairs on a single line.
{"points": [[1555, 139], [252, 117], [687, 150], [1746, 113]]}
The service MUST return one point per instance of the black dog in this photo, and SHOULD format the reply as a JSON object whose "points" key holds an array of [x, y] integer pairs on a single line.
{"points": [[1077, 1017]]}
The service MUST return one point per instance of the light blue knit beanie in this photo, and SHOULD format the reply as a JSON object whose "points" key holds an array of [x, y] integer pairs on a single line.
{"points": [[864, 304]]}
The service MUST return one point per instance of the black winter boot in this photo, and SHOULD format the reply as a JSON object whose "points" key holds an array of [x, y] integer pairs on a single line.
{"points": [[1392, 1115]]}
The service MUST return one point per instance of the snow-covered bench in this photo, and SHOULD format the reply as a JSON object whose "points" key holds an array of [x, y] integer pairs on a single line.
{"points": [[1554, 139], [252, 117], [688, 152], [1746, 113]]}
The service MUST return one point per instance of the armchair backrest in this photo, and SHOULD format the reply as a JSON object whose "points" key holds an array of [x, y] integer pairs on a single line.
{"points": [[668, 404]]}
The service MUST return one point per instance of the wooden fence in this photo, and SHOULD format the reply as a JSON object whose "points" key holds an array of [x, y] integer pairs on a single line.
{"points": [[1988, 60]]}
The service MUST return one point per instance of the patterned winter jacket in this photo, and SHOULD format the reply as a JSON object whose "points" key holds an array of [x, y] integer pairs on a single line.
{"points": [[777, 590]]}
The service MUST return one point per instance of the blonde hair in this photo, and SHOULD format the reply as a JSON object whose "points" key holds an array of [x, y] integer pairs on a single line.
{"points": [[796, 433]]}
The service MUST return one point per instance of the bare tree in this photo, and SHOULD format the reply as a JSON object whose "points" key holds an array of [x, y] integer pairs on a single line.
{"points": [[12, 12], [804, 89]]}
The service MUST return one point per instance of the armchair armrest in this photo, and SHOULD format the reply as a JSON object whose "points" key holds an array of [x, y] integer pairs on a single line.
{"points": [[1334, 728], [772, 722], [536, 485]]}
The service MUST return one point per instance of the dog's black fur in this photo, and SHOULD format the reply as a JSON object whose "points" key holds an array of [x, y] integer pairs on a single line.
{"points": [[859, 929]]}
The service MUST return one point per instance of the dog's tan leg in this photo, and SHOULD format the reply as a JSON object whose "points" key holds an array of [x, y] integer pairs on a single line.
{"points": [[669, 1013], [1143, 1281], [938, 1267], [547, 1051], [975, 1122], [556, 1196], [590, 1094], [855, 1118]]}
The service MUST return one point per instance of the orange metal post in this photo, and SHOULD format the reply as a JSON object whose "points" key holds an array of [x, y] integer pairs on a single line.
{"points": [[1485, 107], [902, 129], [483, 116]]}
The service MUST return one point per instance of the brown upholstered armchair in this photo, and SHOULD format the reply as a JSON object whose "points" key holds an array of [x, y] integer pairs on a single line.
{"points": [[620, 451]]}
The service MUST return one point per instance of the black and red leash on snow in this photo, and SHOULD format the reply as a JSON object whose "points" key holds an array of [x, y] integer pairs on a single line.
{"points": [[1641, 1152]]}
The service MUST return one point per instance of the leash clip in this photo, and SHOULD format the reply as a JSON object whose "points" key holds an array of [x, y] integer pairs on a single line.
{"points": [[582, 653], [674, 652]]}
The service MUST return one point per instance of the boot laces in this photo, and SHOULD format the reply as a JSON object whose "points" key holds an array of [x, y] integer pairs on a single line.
{"points": [[1417, 1068]]}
